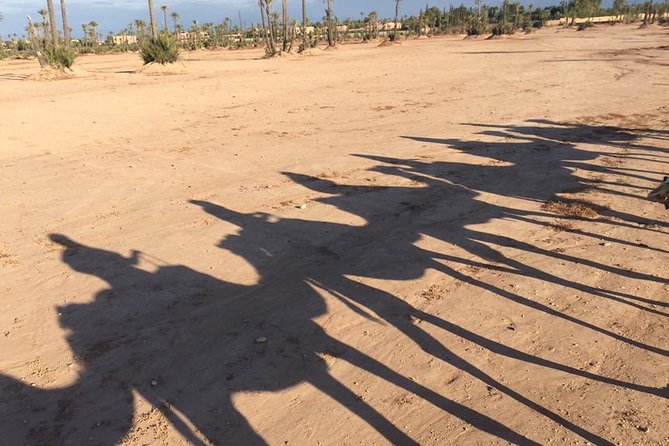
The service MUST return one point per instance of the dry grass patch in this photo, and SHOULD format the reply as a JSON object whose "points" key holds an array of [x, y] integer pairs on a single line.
{"points": [[572, 208]]}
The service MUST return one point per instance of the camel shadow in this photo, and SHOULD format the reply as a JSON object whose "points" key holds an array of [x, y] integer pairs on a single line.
{"points": [[187, 342]]}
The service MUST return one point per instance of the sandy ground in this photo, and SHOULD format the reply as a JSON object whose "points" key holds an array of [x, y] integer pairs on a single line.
{"points": [[442, 242]]}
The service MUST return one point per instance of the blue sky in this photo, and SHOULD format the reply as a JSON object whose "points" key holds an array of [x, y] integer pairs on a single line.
{"points": [[113, 15]]}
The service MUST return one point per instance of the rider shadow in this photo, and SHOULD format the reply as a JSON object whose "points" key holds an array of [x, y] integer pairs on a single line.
{"points": [[187, 342]]}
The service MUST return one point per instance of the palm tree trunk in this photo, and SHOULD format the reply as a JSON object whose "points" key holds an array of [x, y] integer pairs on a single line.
{"points": [[503, 16], [35, 42], [269, 36], [305, 38], [330, 24], [397, 16], [66, 25], [284, 12], [152, 17], [52, 18]]}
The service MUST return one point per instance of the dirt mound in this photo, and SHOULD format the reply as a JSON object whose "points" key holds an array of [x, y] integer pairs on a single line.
{"points": [[498, 37], [156, 69], [332, 48], [387, 42], [55, 74], [311, 52], [475, 37], [287, 55]]}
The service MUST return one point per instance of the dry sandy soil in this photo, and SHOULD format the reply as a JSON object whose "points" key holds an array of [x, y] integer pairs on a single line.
{"points": [[442, 242]]}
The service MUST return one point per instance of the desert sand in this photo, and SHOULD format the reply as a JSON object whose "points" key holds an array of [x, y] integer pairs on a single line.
{"points": [[441, 242]]}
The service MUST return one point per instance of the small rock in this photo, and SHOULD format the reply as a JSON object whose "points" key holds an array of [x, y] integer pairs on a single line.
{"points": [[261, 340], [302, 206], [605, 244], [154, 382]]}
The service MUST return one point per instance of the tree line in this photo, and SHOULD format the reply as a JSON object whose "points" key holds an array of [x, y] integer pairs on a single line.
{"points": [[277, 32]]}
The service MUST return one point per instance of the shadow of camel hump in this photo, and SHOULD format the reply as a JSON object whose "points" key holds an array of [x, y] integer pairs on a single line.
{"points": [[187, 342]]}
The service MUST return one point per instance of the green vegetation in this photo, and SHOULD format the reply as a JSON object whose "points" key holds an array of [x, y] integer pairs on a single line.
{"points": [[60, 57], [44, 40], [163, 49], [277, 31]]}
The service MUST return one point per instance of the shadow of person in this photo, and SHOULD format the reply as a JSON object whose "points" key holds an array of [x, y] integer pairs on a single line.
{"points": [[126, 341]]}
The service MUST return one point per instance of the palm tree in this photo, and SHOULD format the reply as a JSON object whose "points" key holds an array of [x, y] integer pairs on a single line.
{"points": [[195, 30], [267, 14], [66, 26], [84, 28], [175, 18], [284, 17], [207, 28], [92, 29], [330, 23], [305, 39], [36, 44], [164, 8], [45, 22], [141, 26], [504, 7], [152, 18], [52, 18], [397, 16]]}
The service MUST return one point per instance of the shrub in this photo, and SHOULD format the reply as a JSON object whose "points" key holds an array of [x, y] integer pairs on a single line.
{"points": [[473, 30], [583, 26], [60, 57], [500, 29], [163, 50]]}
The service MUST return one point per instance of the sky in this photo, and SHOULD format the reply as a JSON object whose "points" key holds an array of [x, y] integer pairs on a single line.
{"points": [[114, 15]]}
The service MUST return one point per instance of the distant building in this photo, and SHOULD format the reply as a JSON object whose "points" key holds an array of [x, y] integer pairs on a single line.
{"points": [[388, 26], [122, 39], [187, 37], [309, 30]]}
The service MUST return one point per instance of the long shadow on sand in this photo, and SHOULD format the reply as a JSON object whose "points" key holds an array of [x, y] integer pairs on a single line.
{"points": [[186, 341]]}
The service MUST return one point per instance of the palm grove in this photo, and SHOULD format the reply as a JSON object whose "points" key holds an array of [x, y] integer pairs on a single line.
{"points": [[277, 32]]}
